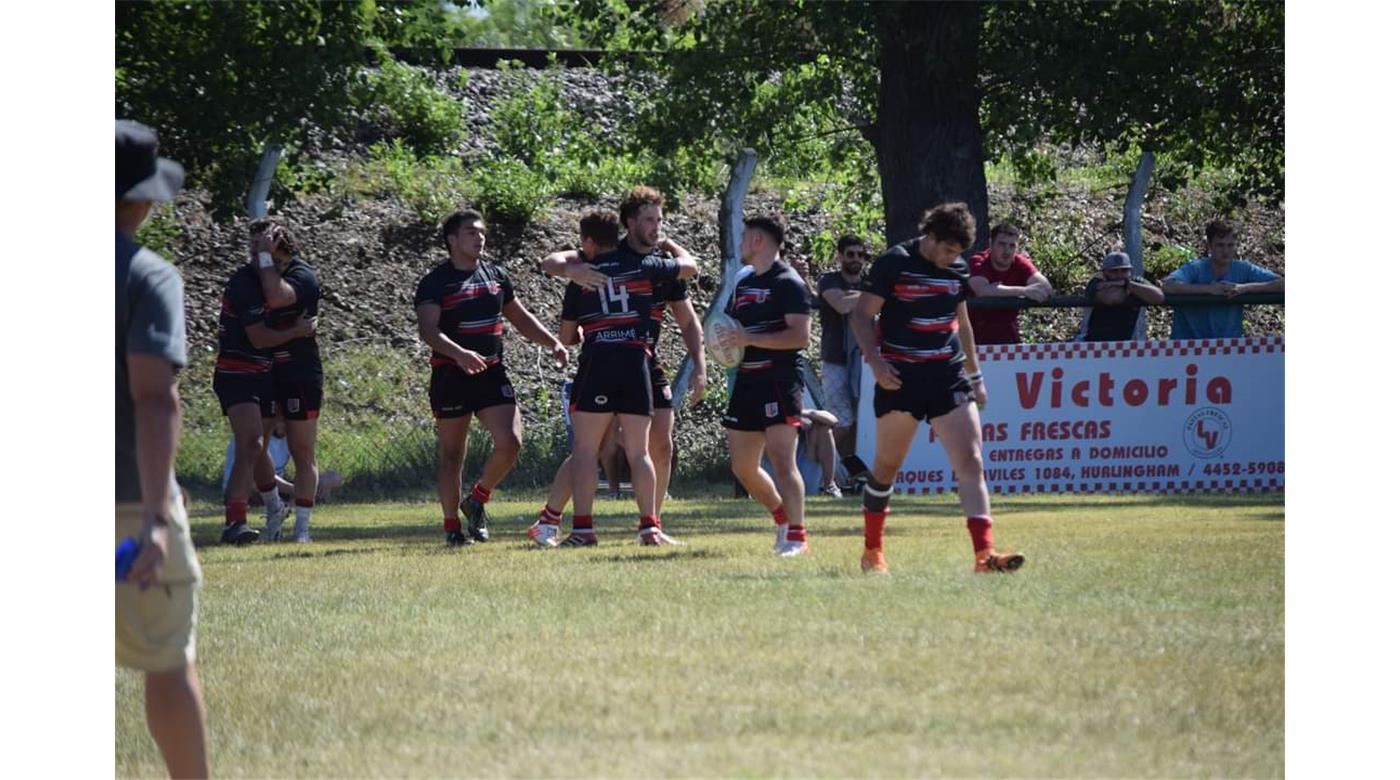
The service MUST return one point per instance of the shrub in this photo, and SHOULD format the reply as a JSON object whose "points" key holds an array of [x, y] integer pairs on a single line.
{"points": [[430, 186], [404, 102], [509, 190]]}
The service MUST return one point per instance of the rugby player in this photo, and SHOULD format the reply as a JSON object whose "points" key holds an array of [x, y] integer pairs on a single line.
{"points": [[243, 381], [774, 306], [291, 291], [598, 233], [460, 306], [924, 362], [615, 374]]}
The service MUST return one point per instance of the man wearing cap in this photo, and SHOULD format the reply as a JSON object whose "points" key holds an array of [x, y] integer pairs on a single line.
{"points": [[156, 600], [1118, 300]]}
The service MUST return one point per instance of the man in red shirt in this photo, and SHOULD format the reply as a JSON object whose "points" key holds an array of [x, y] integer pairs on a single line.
{"points": [[1000, 271]]}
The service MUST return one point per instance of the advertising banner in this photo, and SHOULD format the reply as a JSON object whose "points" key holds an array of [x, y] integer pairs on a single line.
{"points": [[1115, 417]]}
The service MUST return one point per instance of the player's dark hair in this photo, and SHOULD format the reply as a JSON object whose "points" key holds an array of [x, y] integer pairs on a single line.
{"points": [[454, 222], [1005, 229], [286, 239], [640, 196], [846, 241], [1219, 228], [950, 222], [600, 226], [769, 225]]}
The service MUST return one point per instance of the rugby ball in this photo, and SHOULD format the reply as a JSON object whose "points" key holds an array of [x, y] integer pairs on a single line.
{"points": [[725, 358]]}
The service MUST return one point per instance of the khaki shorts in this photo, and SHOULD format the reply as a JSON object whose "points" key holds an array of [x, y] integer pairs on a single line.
{"points": [[155, 627]]}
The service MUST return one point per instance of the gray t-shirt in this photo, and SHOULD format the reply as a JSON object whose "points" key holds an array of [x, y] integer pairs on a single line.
{"points": [[150, 321]]}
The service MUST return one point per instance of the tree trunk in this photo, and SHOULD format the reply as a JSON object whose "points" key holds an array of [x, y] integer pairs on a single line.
{"points": [[929, 143], [1132, 211]]}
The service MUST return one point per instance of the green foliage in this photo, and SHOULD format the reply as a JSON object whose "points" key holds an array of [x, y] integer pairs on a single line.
{"points": [[1158, 262], [509, 190], [430, 186], [161, 229], [218, 80], [406, 103]]}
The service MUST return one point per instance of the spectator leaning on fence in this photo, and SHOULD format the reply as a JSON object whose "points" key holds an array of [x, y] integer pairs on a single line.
{"points": [[1118, 300], [840, 289], [999, 271], [1222, 273]]}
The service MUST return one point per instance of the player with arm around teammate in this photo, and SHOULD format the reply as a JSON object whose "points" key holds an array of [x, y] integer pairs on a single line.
{"points": [[461, 305], [599, 234], [924, 362], [773, 305], [615, 370], [292, 291]]}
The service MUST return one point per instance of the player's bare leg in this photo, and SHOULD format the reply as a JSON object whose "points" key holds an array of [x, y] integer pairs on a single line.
{"points": [[452, 451], [545, 531], [780, 442], [503, 423], [246, 422], [265, 481], [589, 429], [745, 454], [661, 447], [636, 439], [961, 433], [301, 441], [175, 716], [894, 433]]}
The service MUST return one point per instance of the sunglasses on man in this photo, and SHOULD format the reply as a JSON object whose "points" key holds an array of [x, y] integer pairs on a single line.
{"points": [[856, 254]]}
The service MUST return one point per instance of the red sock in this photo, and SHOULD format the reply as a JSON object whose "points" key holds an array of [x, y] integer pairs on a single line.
{"points": [[980, 527], [550, 516], [797, 533], [875, 529], [583, 524], [450, 524], [235, 512], [306, 502], [481, 494], [649, 521], [779, 516]]}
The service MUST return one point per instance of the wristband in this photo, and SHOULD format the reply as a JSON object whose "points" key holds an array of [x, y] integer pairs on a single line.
{"points": [[265, 260]]}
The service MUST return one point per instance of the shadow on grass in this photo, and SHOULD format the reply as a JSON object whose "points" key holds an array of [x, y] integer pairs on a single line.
{"points": [[671, 555]]}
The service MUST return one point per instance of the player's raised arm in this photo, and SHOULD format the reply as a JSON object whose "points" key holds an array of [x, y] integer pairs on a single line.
{"points": [[271, 251]]}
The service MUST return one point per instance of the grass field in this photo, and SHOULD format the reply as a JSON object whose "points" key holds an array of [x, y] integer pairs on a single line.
{"points": [[1144, 637]]}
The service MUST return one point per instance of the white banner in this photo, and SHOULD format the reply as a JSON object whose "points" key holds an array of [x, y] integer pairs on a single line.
{"points": [[1115, 417]]}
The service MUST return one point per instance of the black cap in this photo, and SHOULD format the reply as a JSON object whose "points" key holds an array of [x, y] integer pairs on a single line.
{"points": [[141, 173]]}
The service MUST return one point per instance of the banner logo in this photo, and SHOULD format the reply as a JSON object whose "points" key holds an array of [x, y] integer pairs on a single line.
{"points": [[1207, 432]]}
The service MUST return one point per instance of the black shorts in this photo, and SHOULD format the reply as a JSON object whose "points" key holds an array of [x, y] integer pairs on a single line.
{"points": [[453, 392], [660, 389], [618, 382], [761, 404], [298, 395], [234, 389], [925, 394]]}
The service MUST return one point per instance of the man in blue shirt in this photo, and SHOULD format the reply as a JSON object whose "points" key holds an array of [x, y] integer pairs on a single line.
{"points": [[1222, 273]]}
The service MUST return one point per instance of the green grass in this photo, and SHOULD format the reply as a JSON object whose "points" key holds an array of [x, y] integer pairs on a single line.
{"points": [[1143, 638]]}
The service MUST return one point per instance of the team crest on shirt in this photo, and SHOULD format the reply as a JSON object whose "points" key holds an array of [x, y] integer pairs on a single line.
{"points": [[770, 409], [750, 295]]}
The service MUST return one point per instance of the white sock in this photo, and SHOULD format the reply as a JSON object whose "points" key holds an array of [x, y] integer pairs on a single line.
{"points": [[303, 518], [271, 498]]}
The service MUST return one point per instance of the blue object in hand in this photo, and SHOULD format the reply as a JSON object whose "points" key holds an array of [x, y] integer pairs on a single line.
{"points": [[126, 555]]}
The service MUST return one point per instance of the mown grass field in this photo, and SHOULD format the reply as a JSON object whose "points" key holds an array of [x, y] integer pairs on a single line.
{"points": [[1143, 638]]}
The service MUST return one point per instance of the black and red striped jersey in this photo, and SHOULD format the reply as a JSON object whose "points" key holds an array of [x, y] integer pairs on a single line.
{"points": [[472, 304], [761, 304], [918, 322], [298, 356], [620, 315], [242, 306]]}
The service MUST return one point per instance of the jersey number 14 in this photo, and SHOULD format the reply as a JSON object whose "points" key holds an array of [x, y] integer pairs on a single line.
{"points": [[610, 293]]}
